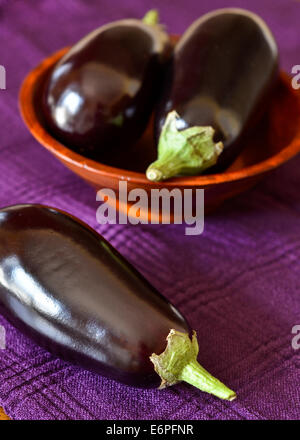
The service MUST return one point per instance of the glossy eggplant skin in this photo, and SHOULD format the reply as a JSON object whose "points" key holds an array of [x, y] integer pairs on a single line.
{"points": [[223, 71], [69, 290], [100, 95]]}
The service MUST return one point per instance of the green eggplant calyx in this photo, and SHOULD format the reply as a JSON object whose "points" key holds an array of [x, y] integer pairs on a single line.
{"points": [[151, 17], [179, 363], [187, 152]]}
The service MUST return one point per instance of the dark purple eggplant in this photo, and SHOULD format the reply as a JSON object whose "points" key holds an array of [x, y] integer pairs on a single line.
{"points": [[100, 95], [69, 290], [217, 88]]}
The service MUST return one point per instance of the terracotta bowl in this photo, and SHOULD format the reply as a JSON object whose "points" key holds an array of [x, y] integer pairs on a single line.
{"points": [[276, 140]]}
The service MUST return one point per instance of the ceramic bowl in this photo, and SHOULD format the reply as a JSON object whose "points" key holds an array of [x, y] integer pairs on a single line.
{"points": [[275, 141]]}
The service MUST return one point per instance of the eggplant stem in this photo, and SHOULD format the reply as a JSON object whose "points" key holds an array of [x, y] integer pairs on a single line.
{"points": [[151, 17], [194, 374], [179, 363], [188, 152]]}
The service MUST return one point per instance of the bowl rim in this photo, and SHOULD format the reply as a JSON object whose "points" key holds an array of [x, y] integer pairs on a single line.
{"points": [[75, 160]]}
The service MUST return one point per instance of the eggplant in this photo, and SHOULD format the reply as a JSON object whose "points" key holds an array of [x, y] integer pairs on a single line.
{"points": [[217, 88], [100, 95], [68, 289]]}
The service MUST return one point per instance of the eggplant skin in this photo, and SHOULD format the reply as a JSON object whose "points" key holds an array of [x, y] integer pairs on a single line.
{"points": [[222, 74], [70, 291], [101, 94]]}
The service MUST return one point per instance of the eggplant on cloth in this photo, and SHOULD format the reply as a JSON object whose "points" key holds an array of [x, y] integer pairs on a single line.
{"points": [[68, 289]]}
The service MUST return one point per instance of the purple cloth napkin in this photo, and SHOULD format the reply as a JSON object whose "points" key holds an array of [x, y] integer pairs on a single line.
{"points": [[238, 283]]}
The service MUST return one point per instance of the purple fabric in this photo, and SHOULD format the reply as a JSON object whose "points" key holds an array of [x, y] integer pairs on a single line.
{"points": [[238, 283]]}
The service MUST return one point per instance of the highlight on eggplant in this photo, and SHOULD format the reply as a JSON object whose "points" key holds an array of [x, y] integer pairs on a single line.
{"points": [[216, 89], [100, 95], [68, 289]]}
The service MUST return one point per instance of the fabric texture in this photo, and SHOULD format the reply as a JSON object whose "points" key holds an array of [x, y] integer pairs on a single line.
{"points": [[238, 283]]}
